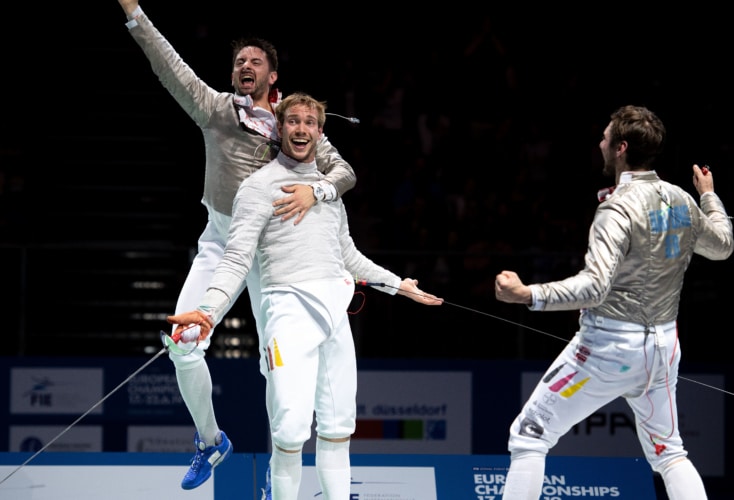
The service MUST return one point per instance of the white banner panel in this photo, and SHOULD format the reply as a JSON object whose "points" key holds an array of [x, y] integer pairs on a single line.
{"points": [[161, 439], [80, 482], [413, 412], [378, 483], [79, 438], [62, 391]]}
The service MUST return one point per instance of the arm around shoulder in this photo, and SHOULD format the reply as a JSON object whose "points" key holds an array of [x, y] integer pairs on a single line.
{"points": [[338, 171]]}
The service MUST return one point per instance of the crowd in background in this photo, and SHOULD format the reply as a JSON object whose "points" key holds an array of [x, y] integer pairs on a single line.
{"points": [[474, 151]]}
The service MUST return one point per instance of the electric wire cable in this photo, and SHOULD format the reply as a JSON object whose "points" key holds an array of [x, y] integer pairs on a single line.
{"points": [[95, 405], [526, 327], [361, 282], [347, 118]]}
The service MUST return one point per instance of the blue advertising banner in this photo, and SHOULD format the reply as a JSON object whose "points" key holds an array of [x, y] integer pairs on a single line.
{"points": [[480, 477], [152, 476], [405, 407]]}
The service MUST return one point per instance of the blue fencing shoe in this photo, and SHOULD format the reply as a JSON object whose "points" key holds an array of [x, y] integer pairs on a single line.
{"points": [[206, 458], [266, 491]]}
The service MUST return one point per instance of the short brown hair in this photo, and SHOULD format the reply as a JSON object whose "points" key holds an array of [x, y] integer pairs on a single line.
{"points": [[643, 131], [260, 43], [304, 99]]}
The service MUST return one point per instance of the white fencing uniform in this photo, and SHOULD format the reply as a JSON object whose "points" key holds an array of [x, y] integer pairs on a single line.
{"points": [[307, 282]]}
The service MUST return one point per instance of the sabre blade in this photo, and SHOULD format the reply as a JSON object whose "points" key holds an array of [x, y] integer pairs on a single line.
{"points": [[95, 405]]}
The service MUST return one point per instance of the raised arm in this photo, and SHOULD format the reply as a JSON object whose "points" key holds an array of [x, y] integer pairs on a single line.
{"points": [[715, 241], [128, 6]]}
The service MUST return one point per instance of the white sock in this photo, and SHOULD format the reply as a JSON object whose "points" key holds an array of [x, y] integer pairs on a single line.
{"points": [[333, 468], [683, 482], [195, 385], [525, 478], [285, 473]]}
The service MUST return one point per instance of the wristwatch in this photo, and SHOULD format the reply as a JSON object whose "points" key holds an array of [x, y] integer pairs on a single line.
{"points": [[318, 192]]}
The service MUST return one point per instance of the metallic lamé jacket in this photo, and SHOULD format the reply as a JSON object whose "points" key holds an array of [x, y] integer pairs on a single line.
{"points": [[232, 153], [640, 244]]}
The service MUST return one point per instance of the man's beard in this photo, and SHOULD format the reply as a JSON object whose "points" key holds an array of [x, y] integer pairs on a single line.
{"points": [[609, 169]]}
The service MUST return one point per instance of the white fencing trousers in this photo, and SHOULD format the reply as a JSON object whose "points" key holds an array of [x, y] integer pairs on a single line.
{"points": [[682, 482], [608, 359], [308, 349], [525, 478], [210, 252], [192, 373]]}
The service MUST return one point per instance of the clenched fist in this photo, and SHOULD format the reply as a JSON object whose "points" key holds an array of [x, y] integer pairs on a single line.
{"points": [[509, 288]]}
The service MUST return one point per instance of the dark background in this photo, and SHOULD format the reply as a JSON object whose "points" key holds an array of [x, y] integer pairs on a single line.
{"points": [[477, 151]]}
